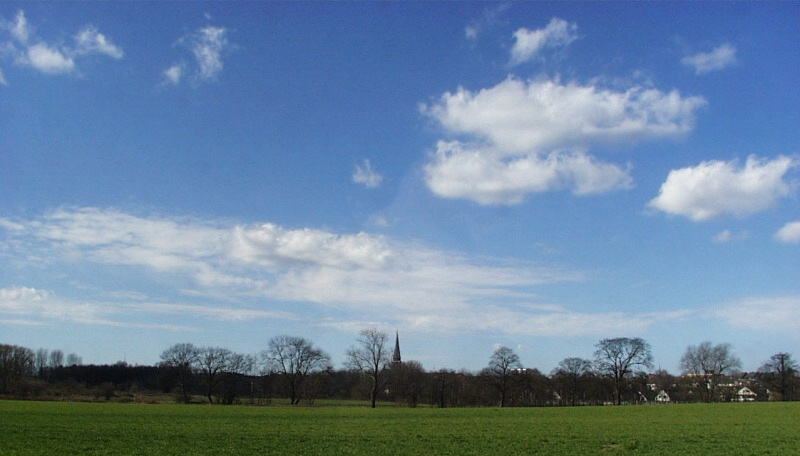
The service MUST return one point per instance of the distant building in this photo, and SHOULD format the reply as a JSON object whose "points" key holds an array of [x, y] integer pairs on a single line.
{"points": [[662, 398], [745, 394], [396, 356]]}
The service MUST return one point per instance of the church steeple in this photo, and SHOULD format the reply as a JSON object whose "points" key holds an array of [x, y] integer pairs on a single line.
{"points": [[396, 356]]}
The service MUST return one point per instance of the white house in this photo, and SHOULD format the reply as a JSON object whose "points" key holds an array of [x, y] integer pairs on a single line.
{"points": [[744, 394]]}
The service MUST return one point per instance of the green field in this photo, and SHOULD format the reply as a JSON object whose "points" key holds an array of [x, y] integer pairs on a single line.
{"points": [[146, 429]]}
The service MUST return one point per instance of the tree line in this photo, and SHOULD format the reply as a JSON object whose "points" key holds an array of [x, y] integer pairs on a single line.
{"points": [[292, 368]]}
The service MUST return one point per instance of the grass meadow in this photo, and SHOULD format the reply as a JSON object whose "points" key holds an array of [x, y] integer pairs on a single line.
{"points": [[68, 428]]}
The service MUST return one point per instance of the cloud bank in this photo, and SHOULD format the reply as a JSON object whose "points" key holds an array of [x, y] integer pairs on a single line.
{"points": [[267, 271]]}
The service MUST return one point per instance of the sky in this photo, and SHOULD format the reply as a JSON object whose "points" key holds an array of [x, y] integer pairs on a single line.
{"points": [[471, 175]]}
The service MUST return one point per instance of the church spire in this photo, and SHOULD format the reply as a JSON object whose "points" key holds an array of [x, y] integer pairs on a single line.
{"points": [[396, 357]]}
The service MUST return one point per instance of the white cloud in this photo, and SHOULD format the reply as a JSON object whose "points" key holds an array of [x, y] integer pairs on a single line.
{"points": [[772, 314], [726, 236], [366, 175], [42, 307], [270, 245], [173, 74], [207, 46], [358, 274], [539, 115], [489, 177], [715, 188], [529, 137], [31, 51], [488, 20], [42, 304], [3, 78], [48, 60], [719, 58], [90, 41], [529, 43], [789, 233], [20, 30]]}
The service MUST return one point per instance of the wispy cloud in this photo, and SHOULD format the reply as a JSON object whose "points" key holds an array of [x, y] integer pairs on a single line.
{"points": [[716, 188], [488, 20], [207, 46], [27, 49], [776, 314], [528, 44], [726, 236], [90, 41], [364, 174], [719, 58]]}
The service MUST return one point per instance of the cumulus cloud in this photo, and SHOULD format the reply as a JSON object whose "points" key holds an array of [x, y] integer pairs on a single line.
{"points": [[26, 49], [207, 46], [789, 233], [715, 188], [490, 177], [529, 43], [528, 137], [719, 58], [49, 60], [537, 115], [364, 174]]}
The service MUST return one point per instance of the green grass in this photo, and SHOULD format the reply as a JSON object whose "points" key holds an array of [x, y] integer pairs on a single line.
{"points": [[123, 429]]}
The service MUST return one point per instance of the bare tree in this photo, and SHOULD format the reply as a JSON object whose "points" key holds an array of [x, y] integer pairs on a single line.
{"points": [[74, 360], [56, 359], [407, 382], [179, 361], [16, 363], [295, 358], [781, 374], [41, 361], [502, 364], [709, 362], [620, 357], [370, 357], [237, 367], [570, 376], [212, 363]]}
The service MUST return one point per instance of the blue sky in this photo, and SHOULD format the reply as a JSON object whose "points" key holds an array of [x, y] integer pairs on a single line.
{"points": [[535, 175]]}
